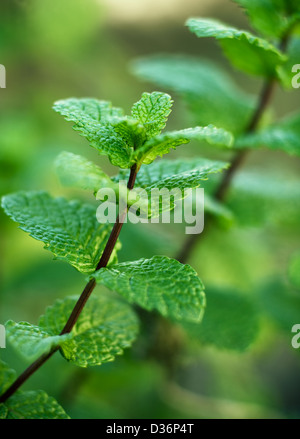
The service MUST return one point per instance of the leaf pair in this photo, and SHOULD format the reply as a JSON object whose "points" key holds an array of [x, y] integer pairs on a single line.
{"points": [[28, 404], [135, 139]]}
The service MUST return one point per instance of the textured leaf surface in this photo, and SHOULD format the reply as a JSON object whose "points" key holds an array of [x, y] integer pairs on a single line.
{"points": [[162, 144], [172, 174], [158, 283], [284, 136], [104, 329], [34, 405], [94, 120], [31, 341], [26, 405], [210, 93], [69, 229], [7, 376], [247, 52], [230, 321], [185, 173], [152, 112], [75, 170]]}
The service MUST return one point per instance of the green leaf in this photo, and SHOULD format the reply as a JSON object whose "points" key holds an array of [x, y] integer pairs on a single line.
{"points": [[270, 17], [104, 329], [206, 88], [68, 229], [31, 341], [246, 51], [152, 112], [183, 173], [159, 283], [26, 405], [284, 136], [95, 121], [7, 376], [294, 270], [287, 72], [222, 213], [280, 304], [163, 143], [230, 321], [270, 199], [34, 405], [172, 174], [75, 170]]}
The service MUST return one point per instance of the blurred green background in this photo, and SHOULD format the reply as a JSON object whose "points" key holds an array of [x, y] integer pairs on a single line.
{"points": [[57, 49]]}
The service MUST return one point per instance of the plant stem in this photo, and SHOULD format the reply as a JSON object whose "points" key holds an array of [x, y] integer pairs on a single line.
{"points": [[82, 299], [236, 163]]}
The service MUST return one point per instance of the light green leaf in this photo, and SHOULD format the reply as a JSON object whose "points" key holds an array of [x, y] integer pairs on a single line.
{"points": [[270, 199], [294, 270], [7, 376], [75, 170], [280, 304], [163, 143], [68, 229], [31, 341], [159, 283], [284, 136], [270, 17], [95, 120], [152, 112], [34, 405], [207, 89], [104, 329], [26, 405], [246, 51], [230, 321]]}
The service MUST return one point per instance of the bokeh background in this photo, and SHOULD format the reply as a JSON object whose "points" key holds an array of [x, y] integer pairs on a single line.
{"points": [[54, 49]]}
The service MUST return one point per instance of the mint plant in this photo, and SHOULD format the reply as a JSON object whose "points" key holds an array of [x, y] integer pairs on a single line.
{"points": [[213, 97], [90, 331]]}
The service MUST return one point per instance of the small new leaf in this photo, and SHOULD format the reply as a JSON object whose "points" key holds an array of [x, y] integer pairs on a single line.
{"points": [[159, 283], [68, 229], [152, 112], [247, 52]]}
